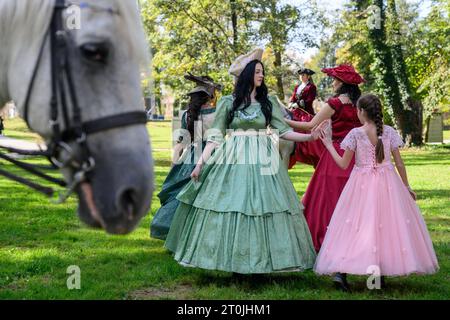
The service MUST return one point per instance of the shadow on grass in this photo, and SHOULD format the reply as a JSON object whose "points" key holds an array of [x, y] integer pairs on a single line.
{"points": [[163, 163], [433, 194], [307, 285]]}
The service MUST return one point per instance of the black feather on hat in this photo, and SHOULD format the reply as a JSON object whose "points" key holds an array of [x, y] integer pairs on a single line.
{"points": [[203, 84]]}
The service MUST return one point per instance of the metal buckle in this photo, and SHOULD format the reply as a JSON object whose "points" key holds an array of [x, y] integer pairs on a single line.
{"points": [[66, 148], [78, 177], [82, 138], [89, 165]]}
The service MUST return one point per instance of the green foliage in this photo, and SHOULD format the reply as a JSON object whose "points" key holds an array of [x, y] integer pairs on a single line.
{"points": [[280, 25], [437, 86], [205, 36], [192, 36], [430, 59], [406, 61]]}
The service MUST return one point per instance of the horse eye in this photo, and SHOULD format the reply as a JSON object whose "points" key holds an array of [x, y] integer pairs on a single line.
{"points": [[95, 52]]}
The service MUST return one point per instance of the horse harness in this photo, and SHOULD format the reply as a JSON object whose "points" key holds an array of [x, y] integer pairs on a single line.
{"points": [[75, 129]]}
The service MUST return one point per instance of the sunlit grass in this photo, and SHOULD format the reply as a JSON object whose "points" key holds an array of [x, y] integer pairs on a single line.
{"points": [[39, 240]]}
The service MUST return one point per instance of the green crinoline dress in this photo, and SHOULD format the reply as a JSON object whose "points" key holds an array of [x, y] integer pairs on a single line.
{"points": [[243, 215], [178, 177]]}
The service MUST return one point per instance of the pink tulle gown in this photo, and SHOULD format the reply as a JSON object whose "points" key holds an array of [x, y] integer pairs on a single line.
{"points": [[376, 226]]}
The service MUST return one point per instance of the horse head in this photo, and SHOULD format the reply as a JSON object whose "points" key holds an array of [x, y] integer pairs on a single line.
{"points": [[85, 61]]}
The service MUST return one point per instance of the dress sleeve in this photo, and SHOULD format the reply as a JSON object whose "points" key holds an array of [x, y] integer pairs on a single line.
{"points": [[335, 104], [395, 140], [217, 132], [349, 142], [278, 121]]}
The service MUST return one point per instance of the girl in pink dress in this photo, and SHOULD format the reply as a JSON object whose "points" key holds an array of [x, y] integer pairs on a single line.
{"points": [[376, 227]]}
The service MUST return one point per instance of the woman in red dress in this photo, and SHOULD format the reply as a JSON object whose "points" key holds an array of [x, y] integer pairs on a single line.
{"points": [[301, 107], [329, 180], [304, 93]]}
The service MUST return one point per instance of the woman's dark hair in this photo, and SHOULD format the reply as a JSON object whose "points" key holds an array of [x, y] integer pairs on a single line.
{"points": [[198, 99], [244, 87], [352, 90], [371, 104]]}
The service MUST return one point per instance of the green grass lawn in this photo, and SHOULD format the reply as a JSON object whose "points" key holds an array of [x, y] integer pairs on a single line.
{"points": [[39, 240]]}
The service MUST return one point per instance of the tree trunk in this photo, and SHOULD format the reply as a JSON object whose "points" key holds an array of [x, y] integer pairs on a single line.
{"points": [[234, 24], [412, 123], [278, 75], [385, 77]]}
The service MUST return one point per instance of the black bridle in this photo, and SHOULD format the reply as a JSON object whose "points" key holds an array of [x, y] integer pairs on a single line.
{"points": [[75, 130]]}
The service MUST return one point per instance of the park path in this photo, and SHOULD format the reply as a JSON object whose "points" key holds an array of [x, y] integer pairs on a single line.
{"points": [[27, 145], [20, 144]]}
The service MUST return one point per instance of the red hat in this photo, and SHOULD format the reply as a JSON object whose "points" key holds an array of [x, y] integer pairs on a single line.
{"points": [[346, 73]]}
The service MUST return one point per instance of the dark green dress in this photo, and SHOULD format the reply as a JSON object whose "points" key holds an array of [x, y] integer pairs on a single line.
{"points": [[243, 215], [177, 178]]}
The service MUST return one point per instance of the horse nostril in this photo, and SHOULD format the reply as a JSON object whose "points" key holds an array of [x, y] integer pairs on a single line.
{"points": [[128, 203]]}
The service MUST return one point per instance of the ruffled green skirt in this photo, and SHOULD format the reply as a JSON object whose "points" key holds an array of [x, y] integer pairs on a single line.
{"points": [[243, 215], [178, 177]]}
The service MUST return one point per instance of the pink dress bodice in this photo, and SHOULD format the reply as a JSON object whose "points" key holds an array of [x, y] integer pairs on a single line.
{"points": [[358, 141]]}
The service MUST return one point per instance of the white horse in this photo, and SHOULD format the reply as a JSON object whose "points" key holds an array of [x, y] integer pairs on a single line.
{"points": [[106, 54]]}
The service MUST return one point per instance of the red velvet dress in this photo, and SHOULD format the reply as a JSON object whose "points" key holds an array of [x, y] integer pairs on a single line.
{"points": [[308, 95], [328, 180]]}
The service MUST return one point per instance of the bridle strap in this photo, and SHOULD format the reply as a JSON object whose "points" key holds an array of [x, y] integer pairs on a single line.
{"points": [[115, 121], [32, 169], [45, 190], [57, 57]]}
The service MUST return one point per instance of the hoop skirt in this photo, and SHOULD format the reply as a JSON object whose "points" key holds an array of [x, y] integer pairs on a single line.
{"points": [[243, 215]]}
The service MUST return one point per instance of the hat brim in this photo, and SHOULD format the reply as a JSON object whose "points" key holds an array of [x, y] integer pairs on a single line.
{"points": [[332, 73], [307, 71], [242, 61]]}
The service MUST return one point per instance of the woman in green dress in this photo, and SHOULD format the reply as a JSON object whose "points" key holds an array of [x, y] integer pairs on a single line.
{"points": [[240, 213], [194, 124]]}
